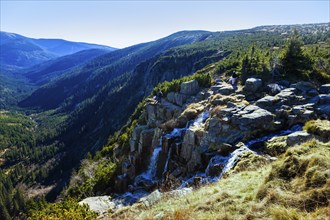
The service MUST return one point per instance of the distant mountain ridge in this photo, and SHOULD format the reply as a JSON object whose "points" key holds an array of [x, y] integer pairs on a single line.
{"points": [[20, 51]]}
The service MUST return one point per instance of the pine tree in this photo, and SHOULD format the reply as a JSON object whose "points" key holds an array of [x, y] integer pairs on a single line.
{"points": [[293, 61], [4, 212]]}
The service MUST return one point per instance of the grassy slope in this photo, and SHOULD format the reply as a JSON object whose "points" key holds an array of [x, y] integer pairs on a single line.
{"points": [[296, 186]]}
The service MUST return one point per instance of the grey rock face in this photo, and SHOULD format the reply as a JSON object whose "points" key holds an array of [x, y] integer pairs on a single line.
{"points": [[152, 198], [226, 89], [325, 89], [324, 109], [297, 137], [189, 88], [188, 144], [274, 88], [99, 204], [136, 137], [303, 87], [324, 98], [177, 98], [252, 84], [180, 192], [267, 102], [195, 161], [253, 117]]}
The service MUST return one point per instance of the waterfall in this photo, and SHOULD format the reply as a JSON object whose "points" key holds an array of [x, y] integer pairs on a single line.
{"points": [[167, 159], [200, 120], [150, 173]]}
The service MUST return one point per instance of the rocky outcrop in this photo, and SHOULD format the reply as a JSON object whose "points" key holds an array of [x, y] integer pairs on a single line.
{"points": [[134, 140], [274, 88], [253, 117], [99, 204], [325, 89], [177, 98], [152, 198], [190, 87], [252, 85], [298, 137]]}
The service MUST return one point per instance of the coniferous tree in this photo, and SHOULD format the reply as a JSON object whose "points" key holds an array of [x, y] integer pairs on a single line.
{"points": [[3, 211], [293, 60]]}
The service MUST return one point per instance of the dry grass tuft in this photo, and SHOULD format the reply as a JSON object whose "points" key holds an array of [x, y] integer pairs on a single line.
{"points": [[275, 146], [299, 180], [250, 161], [320, 128]]}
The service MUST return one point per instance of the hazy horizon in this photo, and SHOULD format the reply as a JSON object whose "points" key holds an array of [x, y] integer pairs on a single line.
{"points": [[122, 24]]}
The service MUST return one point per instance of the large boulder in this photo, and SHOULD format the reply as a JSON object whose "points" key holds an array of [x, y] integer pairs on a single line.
{"points": [[98, 204], [226, 89], [252, 85], [274, 88], [180, 192], [324, 99], [303, 86], [267, 102], [298, 137], [152, 198], [325, 89], [177, 98], [253, 117], [323, 110], [289, 96], [190, 87]]}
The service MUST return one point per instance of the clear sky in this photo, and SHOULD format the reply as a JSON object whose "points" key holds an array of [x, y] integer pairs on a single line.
{"points": [[124, 23]]}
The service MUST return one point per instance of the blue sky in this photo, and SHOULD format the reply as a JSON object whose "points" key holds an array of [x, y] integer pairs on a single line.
{"points": [[124, 23]]}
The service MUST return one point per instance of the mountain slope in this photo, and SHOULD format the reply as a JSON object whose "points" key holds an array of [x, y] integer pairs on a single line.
{"points": [[20, 51], [17, 84], [86, 81], [45, 72]]}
